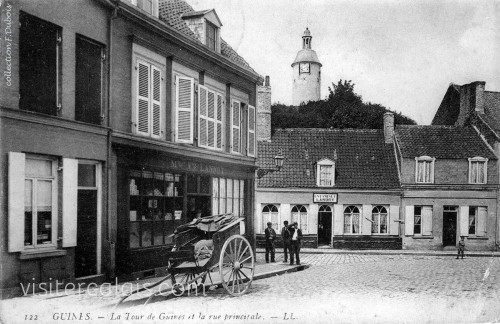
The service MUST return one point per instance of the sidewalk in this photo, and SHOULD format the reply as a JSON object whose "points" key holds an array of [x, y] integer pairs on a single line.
{"points": [[451, 252], [108, 295]]}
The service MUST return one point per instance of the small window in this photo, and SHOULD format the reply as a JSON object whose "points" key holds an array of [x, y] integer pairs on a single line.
{"points": [[379, 220], [351, 220], [478, 167], [211, 36], [477, 220], [422, 220], [270, 214], [150, 6], [424, 172], [325, 173]]}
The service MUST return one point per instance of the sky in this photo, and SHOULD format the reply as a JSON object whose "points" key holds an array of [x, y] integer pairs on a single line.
{"points": [[400, 54]]}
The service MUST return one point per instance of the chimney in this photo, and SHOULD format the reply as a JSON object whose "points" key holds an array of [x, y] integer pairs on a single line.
{"points": [[388, 128], [264, 111], [471, 101]]}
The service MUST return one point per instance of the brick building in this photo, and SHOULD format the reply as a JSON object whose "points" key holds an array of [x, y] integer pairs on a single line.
{"points": [[340, 185], [117, 125], [449, 179]]}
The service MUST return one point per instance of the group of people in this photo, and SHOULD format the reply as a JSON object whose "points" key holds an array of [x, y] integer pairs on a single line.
{"points": [[291, 235]]}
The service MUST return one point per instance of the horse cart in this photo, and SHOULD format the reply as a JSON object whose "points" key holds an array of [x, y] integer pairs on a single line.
{"points": [[211, 248]]}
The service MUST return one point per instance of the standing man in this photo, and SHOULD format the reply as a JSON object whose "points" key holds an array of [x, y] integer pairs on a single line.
{"points": [[285, 236], [296, 236], [270, 236]]}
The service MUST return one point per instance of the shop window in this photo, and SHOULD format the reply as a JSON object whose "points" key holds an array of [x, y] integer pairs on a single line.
{"points": [[88, 81], [270, 214], [424, 169], [40, 201], [199, 196], [477, 220], [210, 112], [39, 65], [351, 220], [478, 167], [379, 220], [156, 207], [228, 196], [299, 215]]}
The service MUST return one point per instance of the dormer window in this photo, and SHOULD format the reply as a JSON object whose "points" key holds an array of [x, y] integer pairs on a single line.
{"points": [[211, 36], [478, 170], [424, 172], [150, 6], [325, 173]]}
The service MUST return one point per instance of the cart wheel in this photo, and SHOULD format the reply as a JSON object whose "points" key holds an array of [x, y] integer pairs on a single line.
{"points": [[236, 265]]}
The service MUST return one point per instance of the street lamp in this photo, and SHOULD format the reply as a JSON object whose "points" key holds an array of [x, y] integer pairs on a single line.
{"points": [[278, 162]]}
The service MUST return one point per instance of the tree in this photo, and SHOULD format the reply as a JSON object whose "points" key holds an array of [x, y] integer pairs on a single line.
{"points": [[342, 109]]}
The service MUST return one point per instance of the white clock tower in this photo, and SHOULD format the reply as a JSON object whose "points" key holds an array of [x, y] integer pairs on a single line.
{"points": [[306, 73]]}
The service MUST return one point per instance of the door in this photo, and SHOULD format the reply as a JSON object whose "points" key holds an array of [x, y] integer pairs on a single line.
{"points": [[324, 225], [450, 225], [88, 216]]}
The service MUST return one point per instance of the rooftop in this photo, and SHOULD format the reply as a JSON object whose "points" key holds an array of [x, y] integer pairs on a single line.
{"points": [[445, 142], [364, 161]]}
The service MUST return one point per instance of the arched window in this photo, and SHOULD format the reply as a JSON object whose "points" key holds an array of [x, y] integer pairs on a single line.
{"points": [[299, 215], [269, 214], [379, 220], [351, 220]]}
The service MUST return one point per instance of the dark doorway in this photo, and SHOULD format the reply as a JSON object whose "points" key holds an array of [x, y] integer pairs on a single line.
{"points": [[450, 225], [86, 249], [324, 225]]}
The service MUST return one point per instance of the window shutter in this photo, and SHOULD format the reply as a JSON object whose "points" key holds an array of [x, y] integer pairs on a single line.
{"points": [[220, 109], [184, 109], [464, 220], [202, 111], [409, 219], [366, 215], [313, 218], [143, 88], [211, 119], [16, 201], [251, 131], [482, 214], [338, 219], [393, 219], [426, 220], [235, 124], [69, 203], [156, 102]]}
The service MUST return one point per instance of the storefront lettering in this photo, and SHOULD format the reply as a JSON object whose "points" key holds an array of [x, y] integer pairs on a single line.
{"points": [[327, 198], [195, 167]]}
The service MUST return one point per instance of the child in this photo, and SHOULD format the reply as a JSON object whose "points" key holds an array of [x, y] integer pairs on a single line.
{"points": [[461, 247]]}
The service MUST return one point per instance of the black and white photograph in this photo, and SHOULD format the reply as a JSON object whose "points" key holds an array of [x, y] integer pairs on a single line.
{"points": [[249, 161]]}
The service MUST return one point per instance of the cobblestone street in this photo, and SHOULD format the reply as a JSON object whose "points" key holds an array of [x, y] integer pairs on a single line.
{"points": [[336, 288]]}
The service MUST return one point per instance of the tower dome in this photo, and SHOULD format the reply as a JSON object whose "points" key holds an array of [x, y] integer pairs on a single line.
{"points": [[306, 73]]}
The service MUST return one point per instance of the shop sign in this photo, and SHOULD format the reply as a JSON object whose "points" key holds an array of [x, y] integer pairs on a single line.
{"points": [[192, 166], [325, 198]]}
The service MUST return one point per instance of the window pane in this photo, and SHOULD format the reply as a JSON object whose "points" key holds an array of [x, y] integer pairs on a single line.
{"points": [[146, 233], [205, 184], [134, 235], [295, 217], [472, 220], [303, 222], [355, 223], [192, 184], [28, 212], [28, 194], [480, 172], [347, 223], [383, 223], [39, 168], [86, 175], [158, 233], [44, 195], [375, 223]]}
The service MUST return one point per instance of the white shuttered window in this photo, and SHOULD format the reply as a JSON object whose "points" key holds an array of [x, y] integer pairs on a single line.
{"points": [[236, 127], [251, 131], [148, 102], [184, 92], [210, 118]]}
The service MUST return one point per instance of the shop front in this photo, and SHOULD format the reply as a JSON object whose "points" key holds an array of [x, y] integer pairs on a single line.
{"points": [[157, 192]]}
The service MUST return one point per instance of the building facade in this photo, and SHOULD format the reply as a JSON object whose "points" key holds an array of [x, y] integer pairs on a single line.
{"points": [[143, 119], [449, 178], [306, 73], [340, 185]]}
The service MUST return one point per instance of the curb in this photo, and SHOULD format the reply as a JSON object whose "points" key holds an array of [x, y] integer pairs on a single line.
{"points": [[396, 252]]}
